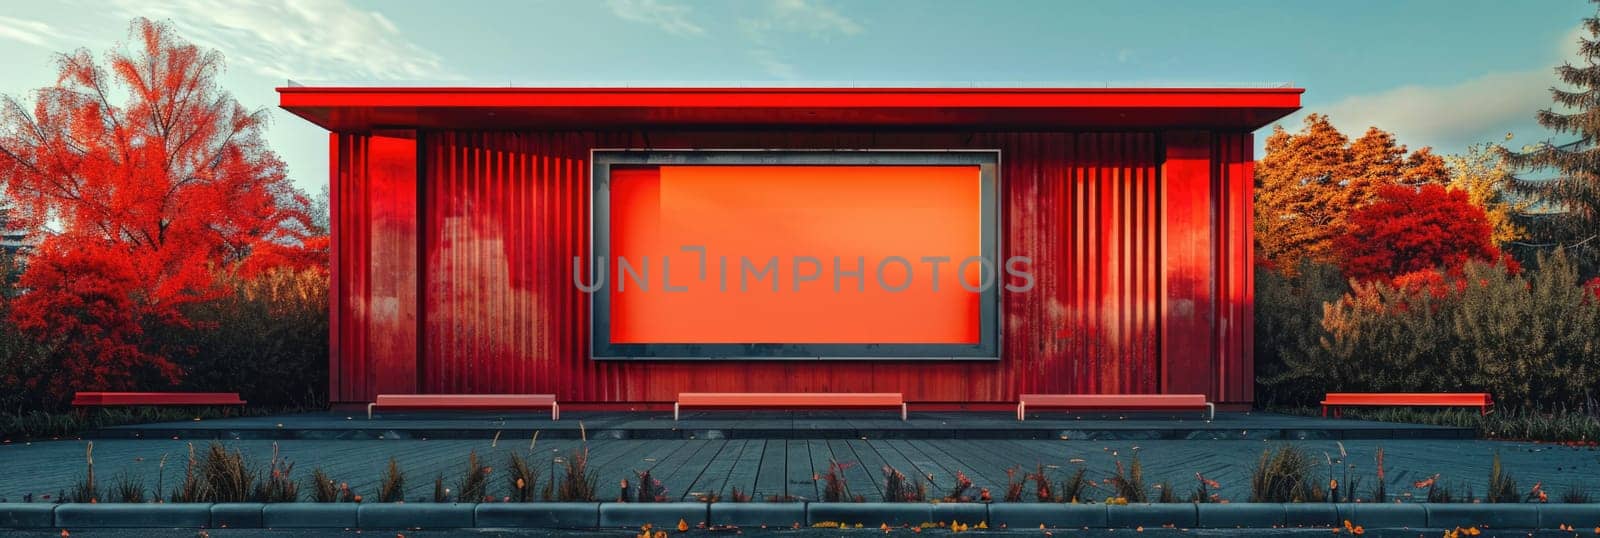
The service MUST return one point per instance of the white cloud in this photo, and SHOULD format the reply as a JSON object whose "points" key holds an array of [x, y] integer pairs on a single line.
{"points": [[814, 18], [1447, 116], [1453, 116], [305, 39], [769, 62], [28, 31], [669, 17]]}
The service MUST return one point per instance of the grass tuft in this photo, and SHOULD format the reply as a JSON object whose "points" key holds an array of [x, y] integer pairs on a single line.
{"points": [[392, 484], [1502, 486], [1284, 475], [1128, 483], [279, 487], [228, 477], [323, 488], [522, 479], [474, 482], [86, 490]]}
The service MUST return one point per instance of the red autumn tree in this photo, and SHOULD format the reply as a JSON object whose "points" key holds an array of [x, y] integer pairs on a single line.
{"points": [[1409, 229], [79, 307], [144, 164]]}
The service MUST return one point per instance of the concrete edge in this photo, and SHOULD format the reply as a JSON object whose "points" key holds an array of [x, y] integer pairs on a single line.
{"points": [[611, 514]]}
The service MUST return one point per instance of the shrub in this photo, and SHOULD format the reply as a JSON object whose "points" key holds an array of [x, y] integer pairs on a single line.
{"points": [[1525, 337], [392, 485], [1576, 494], [267, 339], [1284, 475], [1288, 331]]}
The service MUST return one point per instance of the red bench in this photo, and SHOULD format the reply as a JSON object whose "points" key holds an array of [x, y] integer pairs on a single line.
{"points": [[1117, 402], [128, 399], [790, 400], [1335, 400], [466, 401]]}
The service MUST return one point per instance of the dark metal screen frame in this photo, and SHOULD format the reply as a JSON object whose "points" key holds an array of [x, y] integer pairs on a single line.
{"points": [[601, 347]]}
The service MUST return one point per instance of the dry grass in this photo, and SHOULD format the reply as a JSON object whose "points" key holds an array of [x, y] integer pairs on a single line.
{"points": [[279, 487], [521, 478], [392, 484], [228, 477], [194, 488], [1074, 488], [441, 494], [578, 483], [474, 484], [1284, 475], [1128, 482], [897, 488], [323, 488], [1502, 486], [86, 490], [127, 488]]}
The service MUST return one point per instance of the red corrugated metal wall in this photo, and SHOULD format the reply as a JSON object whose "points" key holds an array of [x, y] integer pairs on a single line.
{"points": [[504, 213]]}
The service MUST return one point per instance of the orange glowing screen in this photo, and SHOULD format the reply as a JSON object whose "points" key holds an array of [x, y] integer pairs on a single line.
{"points": [[861, 215]]}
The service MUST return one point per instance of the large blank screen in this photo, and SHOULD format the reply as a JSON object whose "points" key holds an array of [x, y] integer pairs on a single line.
{"points": [[861, 215]]}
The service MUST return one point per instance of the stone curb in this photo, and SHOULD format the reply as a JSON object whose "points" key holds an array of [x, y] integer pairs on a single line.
{"points": [[539, 515], [664, 516], [757, 515], [1180, 515], [417, 516], [112, 515], [785, 515], [27, 516], [310, 516], [1492, 516], [237, 515]]}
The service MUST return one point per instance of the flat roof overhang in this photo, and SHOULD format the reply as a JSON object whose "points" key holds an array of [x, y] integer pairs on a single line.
{"points": [[361, 109]]}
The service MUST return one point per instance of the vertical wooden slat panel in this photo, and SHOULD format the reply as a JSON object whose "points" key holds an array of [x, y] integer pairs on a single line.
{"points": [[1120, 231]]}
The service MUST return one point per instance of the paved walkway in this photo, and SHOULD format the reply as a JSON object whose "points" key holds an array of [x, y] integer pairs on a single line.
{"points": [[768, 425], [765, 467]]}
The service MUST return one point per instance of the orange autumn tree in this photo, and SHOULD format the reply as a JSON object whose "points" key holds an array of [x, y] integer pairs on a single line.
{"points": [[153, 179], [1309, 182]]}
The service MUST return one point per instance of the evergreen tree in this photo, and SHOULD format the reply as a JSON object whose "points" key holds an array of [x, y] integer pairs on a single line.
{"points": [[1563, 181]]}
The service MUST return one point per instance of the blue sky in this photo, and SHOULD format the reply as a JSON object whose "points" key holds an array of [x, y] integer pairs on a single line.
{"points": [[1437, 73]]}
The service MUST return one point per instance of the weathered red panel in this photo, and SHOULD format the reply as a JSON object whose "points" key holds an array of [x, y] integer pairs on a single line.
{"points": [[1188, 266], [1233, 168], [504, 213], [373, 314]]}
